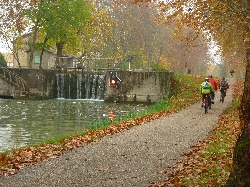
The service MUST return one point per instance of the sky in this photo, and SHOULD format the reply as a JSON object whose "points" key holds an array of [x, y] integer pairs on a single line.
{"points": [[3, 47], [214, 52], [4, 50]]}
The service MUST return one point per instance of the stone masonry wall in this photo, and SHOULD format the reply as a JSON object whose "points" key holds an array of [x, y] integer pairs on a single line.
{"points": [[135, 86], [139, 86], [40, 82], [6, 89]]}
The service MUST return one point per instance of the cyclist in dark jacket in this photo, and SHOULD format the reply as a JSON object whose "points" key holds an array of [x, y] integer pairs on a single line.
{"points": [[223, 86], [214, 84]]}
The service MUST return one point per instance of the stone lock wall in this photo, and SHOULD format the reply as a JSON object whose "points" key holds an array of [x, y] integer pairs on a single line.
{"points": [[6, 90], [42, 84], [28, 83], [139, 86]]}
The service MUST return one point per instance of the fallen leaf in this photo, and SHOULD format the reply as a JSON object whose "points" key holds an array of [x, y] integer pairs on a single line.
{"points": [[175, 181], [103, 169], [163, 172]]}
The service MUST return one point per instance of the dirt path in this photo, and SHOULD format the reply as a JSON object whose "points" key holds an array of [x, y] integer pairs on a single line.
{"points": [[136, 157]]}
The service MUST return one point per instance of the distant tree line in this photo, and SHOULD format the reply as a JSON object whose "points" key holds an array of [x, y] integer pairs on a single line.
{"points": [[3, 62], [103, 29]]}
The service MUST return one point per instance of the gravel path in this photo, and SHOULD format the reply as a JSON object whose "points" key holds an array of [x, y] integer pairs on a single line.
{"points": [[135, 157]]}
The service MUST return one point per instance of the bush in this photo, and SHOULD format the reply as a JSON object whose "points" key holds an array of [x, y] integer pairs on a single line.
{"points": [[3, 62]]}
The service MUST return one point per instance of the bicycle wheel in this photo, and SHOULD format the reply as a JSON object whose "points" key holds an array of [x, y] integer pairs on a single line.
{"points": [[206, 110], [206, 104], [222, 96]]}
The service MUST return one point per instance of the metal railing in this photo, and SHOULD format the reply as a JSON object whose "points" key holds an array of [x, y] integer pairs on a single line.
{"points": [[13, 78]]}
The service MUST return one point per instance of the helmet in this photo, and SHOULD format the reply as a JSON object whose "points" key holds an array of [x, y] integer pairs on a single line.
{"points": [[206, 79], [210, 76], [223, 78]]}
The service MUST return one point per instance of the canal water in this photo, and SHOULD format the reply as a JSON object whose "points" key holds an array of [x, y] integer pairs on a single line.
{"points": [[32, 122]]}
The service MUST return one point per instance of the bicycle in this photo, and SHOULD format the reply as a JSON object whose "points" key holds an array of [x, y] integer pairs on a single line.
{"points": [[205, 103]]}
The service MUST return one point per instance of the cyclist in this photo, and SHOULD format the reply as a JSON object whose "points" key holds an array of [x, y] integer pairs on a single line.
{"points": [[206, 89], [214, 84], [232, 72], [223, 86]]}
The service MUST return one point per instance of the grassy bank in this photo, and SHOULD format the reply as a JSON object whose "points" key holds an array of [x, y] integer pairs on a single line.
{"points": [[184, 92], [209, 162]]}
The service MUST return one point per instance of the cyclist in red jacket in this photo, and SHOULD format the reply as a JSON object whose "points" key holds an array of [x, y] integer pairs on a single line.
{"points": [[214, 84]]}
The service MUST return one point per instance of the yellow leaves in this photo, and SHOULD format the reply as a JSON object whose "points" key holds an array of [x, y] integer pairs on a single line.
{"points": [[175, 181], [3, 160], [163, 172], [162, 64], [228, 164], [96, 32], [225, 20], [246, 39]]}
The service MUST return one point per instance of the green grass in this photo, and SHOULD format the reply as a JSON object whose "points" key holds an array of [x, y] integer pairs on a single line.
{"points": [[182, 87]]}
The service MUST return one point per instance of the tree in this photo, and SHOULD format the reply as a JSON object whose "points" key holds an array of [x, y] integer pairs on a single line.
{"points": [[13, 24], [133, 30], [226, 22], [35, 14], [96, 33], [59, 21], [137, 34], [3, 62]]}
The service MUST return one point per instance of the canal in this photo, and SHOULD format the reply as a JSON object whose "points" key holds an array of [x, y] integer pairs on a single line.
{"points": [[32, 122]]}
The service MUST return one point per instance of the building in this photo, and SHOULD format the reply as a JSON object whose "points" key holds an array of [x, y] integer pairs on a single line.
{"points": [[9, 59], [48, 59], [21, 57]]}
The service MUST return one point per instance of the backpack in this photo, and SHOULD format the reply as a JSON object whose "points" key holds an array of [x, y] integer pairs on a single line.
{"points": [[223, 84], [206, 85]]}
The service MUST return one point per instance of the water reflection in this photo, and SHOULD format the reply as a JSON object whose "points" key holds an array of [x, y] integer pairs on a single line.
{"points": [[29, 122]]}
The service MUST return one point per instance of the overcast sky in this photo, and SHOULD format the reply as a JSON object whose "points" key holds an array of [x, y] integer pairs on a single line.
{"points": [[3, 47]]}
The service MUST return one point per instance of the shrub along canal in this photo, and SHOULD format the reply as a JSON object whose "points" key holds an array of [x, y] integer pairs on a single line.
{"points": [[32, 122]]}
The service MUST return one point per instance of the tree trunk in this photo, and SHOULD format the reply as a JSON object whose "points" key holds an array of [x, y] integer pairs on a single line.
{"points": [[33, 43], [59, 47], [15, 54], [41, 58], [41, 55], [34, 37], [240, 173]]}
